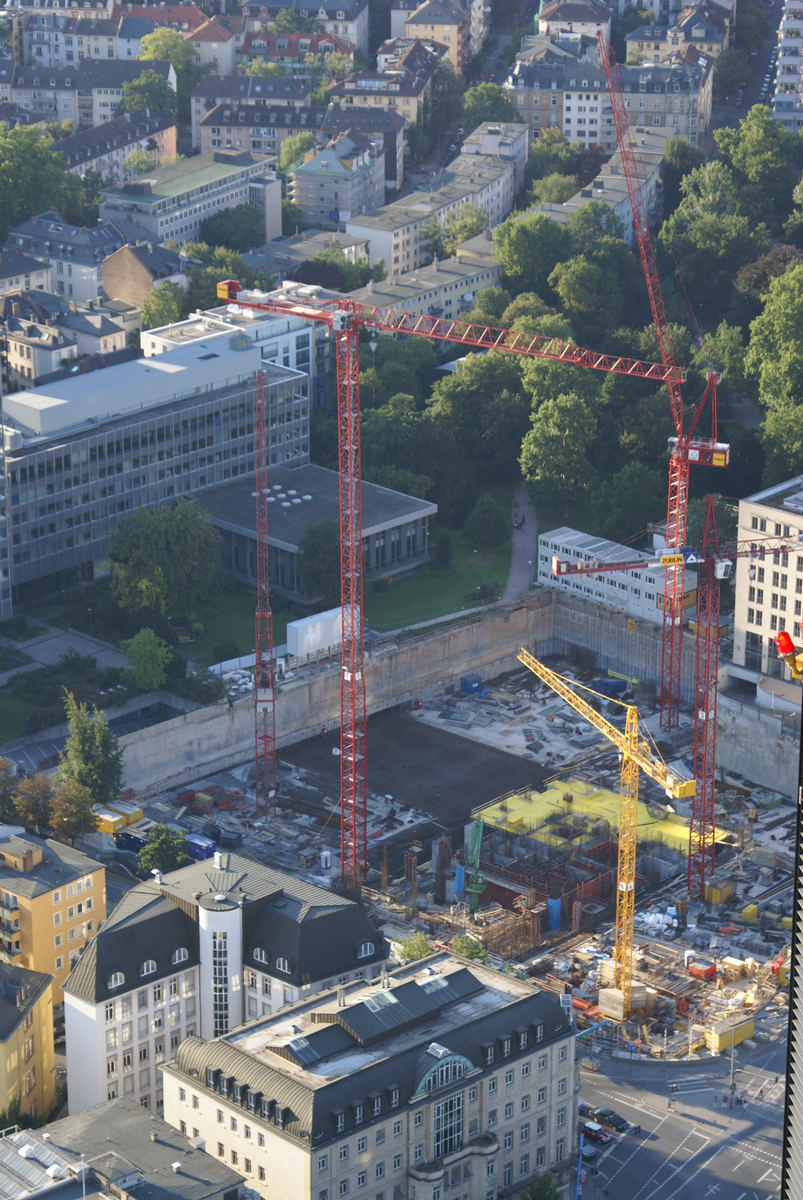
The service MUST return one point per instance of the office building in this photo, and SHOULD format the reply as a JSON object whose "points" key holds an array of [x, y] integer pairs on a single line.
{"points": [[442, 1078], [194, 954]]}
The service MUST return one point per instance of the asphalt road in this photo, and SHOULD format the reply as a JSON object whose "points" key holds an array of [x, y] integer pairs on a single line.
{"points": [[691, 1148]]}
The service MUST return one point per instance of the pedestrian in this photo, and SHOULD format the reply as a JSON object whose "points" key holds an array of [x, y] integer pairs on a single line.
{"points": [[716, 1102], [761, 1093]]}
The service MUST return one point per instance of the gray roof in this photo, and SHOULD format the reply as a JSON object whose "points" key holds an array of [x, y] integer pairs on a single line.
{"points": [[87, 144], [318, 932], [252, 112], [332, 8], [19, 991], [304, 496], [572, 75], [14, 262], [89, 73], [60, 864], [250, 87], [337, 119], [116, 1140], [322, 1056], [50, 236]]}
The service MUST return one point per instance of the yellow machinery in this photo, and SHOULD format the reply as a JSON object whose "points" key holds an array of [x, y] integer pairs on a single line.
{"points": [[635, 752]]}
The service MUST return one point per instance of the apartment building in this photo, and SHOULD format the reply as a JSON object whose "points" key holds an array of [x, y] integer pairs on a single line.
{"points": [[707, 28], [257, 127], [448, 288], [107, 147], [173, 201], [289, 50], [376, 124], [53, 899], [442, 1077], [787, 102], [194, 954], [584, 17], [338, 181], [394, 232], [88, 93], [446, 22], [404, 84], [549, 86], [233, 90], [500, 139], [636, 590], [75, 255], [18, 270], [768, 588], [347, 19], [27, 1059]]}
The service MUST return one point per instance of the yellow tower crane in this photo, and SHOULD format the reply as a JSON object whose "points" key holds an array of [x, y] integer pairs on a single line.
{"points": [[635, 752]]}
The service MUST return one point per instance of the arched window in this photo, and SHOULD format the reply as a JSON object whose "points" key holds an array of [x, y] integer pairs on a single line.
{"points": [[148, 967], [366, 950], [261, 955], [283, 964], [115, 980], [180, 955]]}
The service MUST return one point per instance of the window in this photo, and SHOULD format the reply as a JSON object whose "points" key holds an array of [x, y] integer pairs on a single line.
{"points": [[148, 967], [472, 1094], [418, 1120], [525, 1103], [380, 1170], [491, 1087], [508, 1078], [561, 1117], [109, 1012], [361, 1145], [397, 1162], [492, 1117], [322, 1162], [542, 1095], [115, 980], [525, 1070], [525, 1132], [397, 1128], [508, 1111], [344, 1187], [542, 1062], [509, 1139], [366, 950], [344, 1153], [524, 1165]]}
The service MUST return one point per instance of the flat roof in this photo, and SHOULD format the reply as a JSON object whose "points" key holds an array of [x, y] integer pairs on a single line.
{"points": [[303, 496], [462, 178], [180, 177], [787, 495]]}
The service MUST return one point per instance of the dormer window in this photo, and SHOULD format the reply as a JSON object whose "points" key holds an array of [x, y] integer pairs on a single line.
{"points": [[148, 967], [358, 1111], [283, 965], [180, 955], [115, 980], [366, 950], [506, 1047], [261, 955]]}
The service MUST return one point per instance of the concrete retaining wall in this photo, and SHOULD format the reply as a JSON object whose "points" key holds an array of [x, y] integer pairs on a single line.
{"points": [[421, 665]]}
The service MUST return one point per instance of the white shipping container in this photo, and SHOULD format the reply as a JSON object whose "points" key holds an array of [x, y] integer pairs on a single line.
{"points": [[319, 632]]}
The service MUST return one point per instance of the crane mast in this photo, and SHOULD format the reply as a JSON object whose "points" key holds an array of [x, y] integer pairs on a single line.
{"points": [[684, 448], [636, 753]]}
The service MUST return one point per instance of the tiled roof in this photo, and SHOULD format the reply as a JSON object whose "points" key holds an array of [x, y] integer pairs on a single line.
{"points": [[19, 991]]}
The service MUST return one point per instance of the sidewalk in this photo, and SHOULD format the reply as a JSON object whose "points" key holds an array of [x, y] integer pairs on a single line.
{"points": [[523, 555], [52, 643]]}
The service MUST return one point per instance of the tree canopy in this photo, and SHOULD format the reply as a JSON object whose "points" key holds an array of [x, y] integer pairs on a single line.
{"points": [[149, 656], [165, 560], [148, 90], [487, 102], [91, 757], [240, 229], [33, 179], [164, 851]]}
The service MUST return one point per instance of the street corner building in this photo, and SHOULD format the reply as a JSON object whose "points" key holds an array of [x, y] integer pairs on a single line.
{"points": [[442, 1078]]}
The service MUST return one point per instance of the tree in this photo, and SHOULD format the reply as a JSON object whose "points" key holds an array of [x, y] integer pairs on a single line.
{"points": [[726, 515], [775, 350], [553, 454], [8, 789], [529, 250], [91, 756], [292, 217], [149, 656], [32, 801], [762, 152], [723, 351], [239, 229], [165, 561], [293, 148], [319, 562], [554, 189], [591, 298], [165, 44], [487, 412], [611, 508], [321, 69], [71, 809], [543, 1187], [552, 154], [33, 179], [680, 157], [164, 851], [290, 21], [150, 90], [414, 946], [782, 439], [138, 161], [469, 947], [487, 102], [331, 269], [488, 526], [164, 305], [753, 280]]}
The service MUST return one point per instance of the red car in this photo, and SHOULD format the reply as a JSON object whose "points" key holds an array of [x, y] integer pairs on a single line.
{"points": [[595, 1132]]}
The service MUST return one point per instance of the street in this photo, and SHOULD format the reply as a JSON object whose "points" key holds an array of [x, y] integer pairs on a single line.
{"points": [[690, 1146]]}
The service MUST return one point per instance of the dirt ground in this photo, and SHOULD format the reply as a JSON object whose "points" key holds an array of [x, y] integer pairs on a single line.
{"points": [[433, 770]]}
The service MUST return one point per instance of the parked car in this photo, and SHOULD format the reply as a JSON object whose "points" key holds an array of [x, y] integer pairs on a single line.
{"points": [[597, 1134], [583, 1109], [609, 1118]]}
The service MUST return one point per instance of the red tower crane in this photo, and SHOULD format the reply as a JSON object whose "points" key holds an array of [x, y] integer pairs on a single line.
{"points": [[345, 317], [685, 447], [714, 563]]}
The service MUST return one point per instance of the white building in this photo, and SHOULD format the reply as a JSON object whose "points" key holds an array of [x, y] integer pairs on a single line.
{"points": [[768, 589], [194, 954], [637, 590], [172, 202], [787, 101], [443, 1078]]}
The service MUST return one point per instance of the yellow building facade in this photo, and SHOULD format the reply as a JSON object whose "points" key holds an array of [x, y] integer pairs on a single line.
{"points": [[27, 1060], [52, 899]]}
